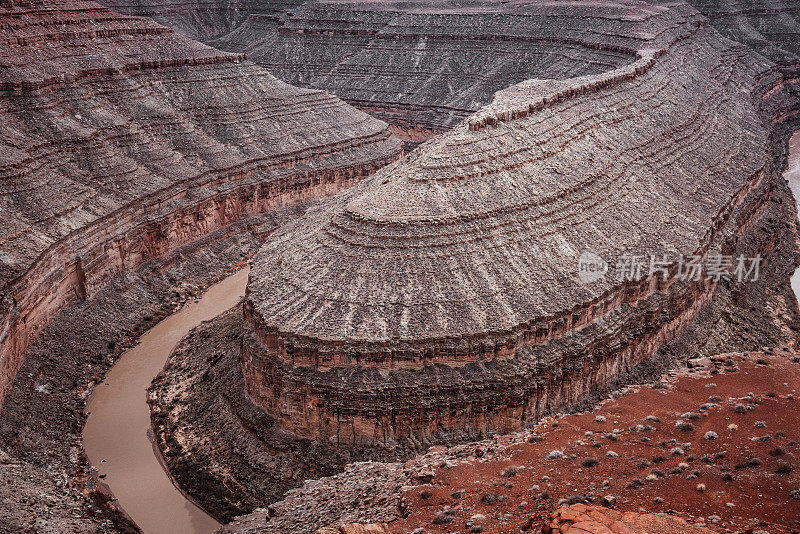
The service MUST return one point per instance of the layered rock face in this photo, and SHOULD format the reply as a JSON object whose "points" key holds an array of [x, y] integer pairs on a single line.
{"points": [[771, 27], [122, 140], [201, 19], [441, 297], [425, 66]]}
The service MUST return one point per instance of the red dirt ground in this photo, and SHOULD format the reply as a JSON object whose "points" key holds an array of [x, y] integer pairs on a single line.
{"points": [[756, 497]]}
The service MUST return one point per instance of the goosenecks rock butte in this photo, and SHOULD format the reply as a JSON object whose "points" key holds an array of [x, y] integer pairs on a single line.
{"points": [[415, 187]]}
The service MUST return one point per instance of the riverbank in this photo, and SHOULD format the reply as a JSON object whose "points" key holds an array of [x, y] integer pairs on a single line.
{"points": [[117, 433], [43, 416]]}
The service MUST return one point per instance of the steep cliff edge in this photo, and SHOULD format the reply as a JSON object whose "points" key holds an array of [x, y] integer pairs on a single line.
{"points": [[123, 140], [440, 300], [442, 297]]}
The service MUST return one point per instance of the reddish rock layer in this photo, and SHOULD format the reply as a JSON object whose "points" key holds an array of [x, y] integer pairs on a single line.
{"points": [[648, 447], [122, 141]]}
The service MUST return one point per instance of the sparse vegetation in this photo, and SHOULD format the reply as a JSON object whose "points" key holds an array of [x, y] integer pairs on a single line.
{"points": [[509, 471], [489, 498], [443, 517], [783, 469]]}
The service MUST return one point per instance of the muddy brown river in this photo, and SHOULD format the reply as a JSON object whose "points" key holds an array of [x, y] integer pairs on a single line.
{"points": [[116, 436]]}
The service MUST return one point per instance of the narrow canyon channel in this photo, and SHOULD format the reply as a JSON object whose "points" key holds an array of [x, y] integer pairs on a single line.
{"points": [[116, 436]]}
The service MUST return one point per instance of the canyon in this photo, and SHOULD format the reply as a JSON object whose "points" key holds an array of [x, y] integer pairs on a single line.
{"points": [[125, 117], [397, 303], [440, 297], [126, 145], [420, 66], [439, 302], [424, 66]]}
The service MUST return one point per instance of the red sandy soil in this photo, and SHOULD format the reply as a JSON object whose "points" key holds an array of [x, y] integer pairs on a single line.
{"points": [[756, 497], [583, 519]]}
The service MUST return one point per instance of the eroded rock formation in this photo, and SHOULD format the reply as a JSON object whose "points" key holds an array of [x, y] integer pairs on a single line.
{"points": [[425, 66], [123, 140], [441, 297], [201, 19], [771, 27]]}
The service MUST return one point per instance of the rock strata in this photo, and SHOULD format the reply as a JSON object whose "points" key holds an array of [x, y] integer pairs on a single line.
{"points": [[123, 140], [441, 298], [425, 66], [771, 27]]}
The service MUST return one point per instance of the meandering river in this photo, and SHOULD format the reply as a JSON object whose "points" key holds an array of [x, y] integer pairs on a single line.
{"points": [[117, 433]]}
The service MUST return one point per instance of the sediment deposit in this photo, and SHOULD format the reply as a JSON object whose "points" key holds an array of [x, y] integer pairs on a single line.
{"points": [[123, 140], [440, 299]]}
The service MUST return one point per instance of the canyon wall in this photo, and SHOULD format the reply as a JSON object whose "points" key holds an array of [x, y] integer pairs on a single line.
{"points": [[441, 299], [425, 66], [201, 19], [770, 27], [123, 140]]}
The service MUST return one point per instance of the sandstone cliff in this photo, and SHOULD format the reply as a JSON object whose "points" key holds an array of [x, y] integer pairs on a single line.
{"points": [[123, 140], [441, 297]]}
